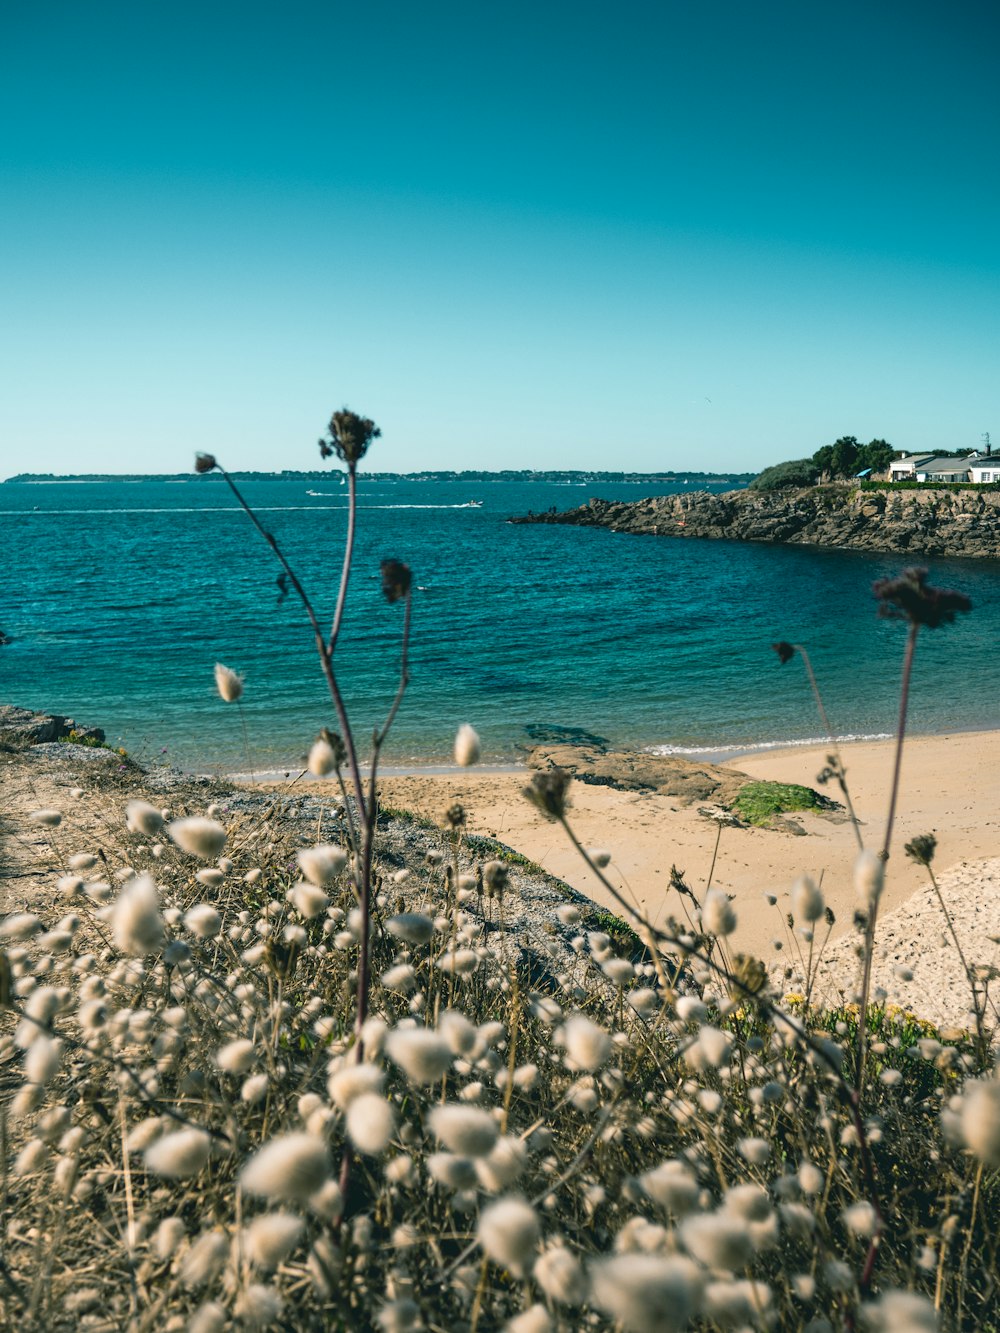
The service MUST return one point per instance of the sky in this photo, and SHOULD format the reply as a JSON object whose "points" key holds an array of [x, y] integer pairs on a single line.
{"points": [[548, 235]]}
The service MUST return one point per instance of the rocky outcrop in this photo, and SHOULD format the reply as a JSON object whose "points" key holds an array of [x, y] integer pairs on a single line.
{"points": [[21, 727], [915, 522]]}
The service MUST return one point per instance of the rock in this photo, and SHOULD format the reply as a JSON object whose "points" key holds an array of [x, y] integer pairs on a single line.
{"points": [[21, 727], [919, 523]]}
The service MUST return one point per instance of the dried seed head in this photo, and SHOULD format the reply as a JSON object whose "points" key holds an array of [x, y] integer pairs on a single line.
{"points": [[869, 876], [508, 1232], [560, 1275], [179, 1155], [547, 792], [413, 927], [371, 1123], [349, 436], [807, 900], [228, 683], [141, 817], [423, 1056], [289, 1168], [203, 921], [717, 915], [980, 1119], [321, 865], [396, 580], [464, 1129], [136, 924], [204, 838], [271, 1238], [467, 746], [647, 1293], [587, 1045]]}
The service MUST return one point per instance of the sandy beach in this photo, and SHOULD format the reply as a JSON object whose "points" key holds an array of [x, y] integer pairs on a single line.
{"points": [[948, 788]]}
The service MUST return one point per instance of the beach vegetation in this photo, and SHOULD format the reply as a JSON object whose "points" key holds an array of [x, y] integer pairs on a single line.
{"points": [[797, 473], [262, 1076], [758, 802]]}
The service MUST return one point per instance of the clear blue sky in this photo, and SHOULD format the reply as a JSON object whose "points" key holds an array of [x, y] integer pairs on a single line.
{"points": [[625, 235]]}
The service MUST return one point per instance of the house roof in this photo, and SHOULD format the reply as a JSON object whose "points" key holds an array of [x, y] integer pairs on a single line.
{"points": [[910, 460], [945, 465]]}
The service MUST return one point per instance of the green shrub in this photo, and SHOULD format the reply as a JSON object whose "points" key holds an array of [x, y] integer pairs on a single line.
{"points": [[758, 802]]}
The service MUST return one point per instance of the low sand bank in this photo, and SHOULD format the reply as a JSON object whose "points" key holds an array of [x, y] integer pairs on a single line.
{"points": [[949, 785]]}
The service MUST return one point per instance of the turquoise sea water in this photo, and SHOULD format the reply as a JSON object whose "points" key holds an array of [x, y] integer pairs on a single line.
{"points": [[119, 598]]}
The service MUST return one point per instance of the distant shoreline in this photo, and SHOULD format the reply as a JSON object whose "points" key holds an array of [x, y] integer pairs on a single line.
{"points": [[550, 476]]}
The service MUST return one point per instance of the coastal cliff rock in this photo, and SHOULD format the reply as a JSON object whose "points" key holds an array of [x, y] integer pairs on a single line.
{"points": [[20, 727], [916, 522]]}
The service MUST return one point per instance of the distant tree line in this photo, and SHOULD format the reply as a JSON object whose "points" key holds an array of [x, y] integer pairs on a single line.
{"points": [[846, 457]]}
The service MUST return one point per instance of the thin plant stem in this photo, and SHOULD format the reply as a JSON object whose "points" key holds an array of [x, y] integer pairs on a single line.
{"points": [[897, 766], [345, 573], [821, 708], [246, 740]]}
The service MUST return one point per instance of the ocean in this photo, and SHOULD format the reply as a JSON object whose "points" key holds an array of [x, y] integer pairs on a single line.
{"points": [[119, 597]]}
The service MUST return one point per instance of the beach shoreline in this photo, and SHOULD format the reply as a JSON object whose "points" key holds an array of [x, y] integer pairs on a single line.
{"points": [[947, 789]]}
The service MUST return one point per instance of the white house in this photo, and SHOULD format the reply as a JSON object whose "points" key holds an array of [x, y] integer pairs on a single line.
{"points": [[901, 469], [943, 469], [985, 469]]}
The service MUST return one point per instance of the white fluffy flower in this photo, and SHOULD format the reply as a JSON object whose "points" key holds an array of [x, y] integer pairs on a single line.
{"points": [[508, 1232], [181, 1154], [51, 818], [41, 1064], [901, 1312], [451, 1171], [860, 1218], [351, 1081], [464, 1129], [717, 915], [413, 927], [980, 1119], [458, 1032], [259, 1306], [228, 683], [560, 1275], [307, 899], [204, 838], [618, 970], [718, 1240], [288, 1168], [141, 817], [203, 921], [271, 1238], [400, 978], [807, 900], [739, 1304], [20, 926], [371, 1123], [587, 1045], [136, 924], [467, 746], [204, 1259], [321, 865], [322, 759], [503, 1166], [423, 1056], [235, 1057], [459, 962], [869, 876], [673, 1185], [647, 1293]]}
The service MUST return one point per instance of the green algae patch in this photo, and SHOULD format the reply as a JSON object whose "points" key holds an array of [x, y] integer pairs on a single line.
{"points": [[759, 802]]}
